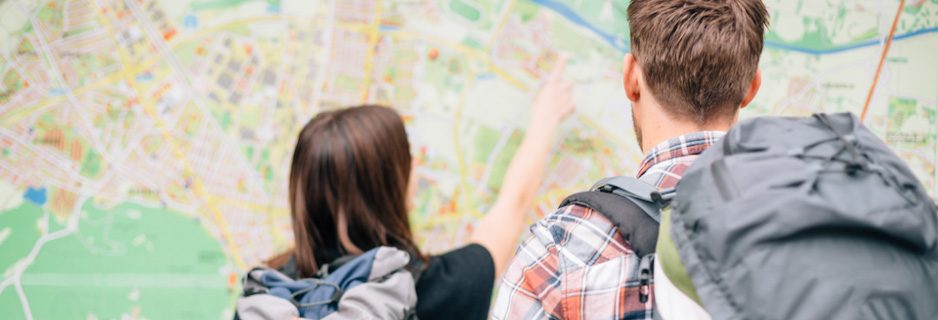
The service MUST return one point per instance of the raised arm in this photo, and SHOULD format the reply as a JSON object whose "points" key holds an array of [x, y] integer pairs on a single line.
{"points": [[501, 227]]}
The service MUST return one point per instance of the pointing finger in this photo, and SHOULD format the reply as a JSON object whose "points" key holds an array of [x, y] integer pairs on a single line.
{"points": [[559, 67]]}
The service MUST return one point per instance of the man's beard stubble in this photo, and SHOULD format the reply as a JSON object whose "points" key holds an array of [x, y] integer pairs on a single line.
{"points": [[638, 132]]}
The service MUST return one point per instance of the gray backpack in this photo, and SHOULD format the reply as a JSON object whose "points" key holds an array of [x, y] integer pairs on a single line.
{"points": [[378, 284], [804, 218], [796, 218]]}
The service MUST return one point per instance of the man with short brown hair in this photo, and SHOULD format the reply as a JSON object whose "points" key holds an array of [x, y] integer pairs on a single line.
{"points": [[693, 66]]}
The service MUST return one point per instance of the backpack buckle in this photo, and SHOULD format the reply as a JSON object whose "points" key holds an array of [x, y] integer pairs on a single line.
{"points": [[644, 277]]}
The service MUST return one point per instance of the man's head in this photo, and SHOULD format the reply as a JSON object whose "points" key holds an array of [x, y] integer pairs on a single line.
{"points": [[694, 63]]}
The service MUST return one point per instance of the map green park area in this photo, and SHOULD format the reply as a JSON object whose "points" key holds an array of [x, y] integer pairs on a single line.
{"points": [[145, 144]]}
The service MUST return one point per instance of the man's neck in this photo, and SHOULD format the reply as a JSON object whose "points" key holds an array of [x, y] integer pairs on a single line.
{"points": [[664, 128]]}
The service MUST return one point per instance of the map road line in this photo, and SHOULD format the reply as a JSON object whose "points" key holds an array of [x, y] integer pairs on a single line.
{"points": [[26, 309], [57, 78], [18, 114], [468, 51], [459, 156], [15, 279], [373, 37], [196, 181], [615, 139], [882, 60], [501, 24], [321, 74]]}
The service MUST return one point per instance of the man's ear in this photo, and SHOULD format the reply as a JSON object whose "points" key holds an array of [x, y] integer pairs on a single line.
{"points": [[631, 78], [753, 89]]}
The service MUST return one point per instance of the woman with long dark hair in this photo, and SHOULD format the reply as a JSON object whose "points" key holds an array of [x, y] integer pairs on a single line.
{"points": [[352, 183]]}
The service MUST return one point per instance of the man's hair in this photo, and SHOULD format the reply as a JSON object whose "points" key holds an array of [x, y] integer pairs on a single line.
{"points": [[698, 56]]}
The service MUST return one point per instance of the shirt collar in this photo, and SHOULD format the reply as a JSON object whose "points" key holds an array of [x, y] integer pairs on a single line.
{"points": [[691, 144]]}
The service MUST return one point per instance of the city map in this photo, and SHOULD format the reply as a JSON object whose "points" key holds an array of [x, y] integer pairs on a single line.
{"points": [[145, 145]]}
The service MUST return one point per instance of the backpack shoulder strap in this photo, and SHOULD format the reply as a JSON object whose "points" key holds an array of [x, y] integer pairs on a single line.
{"points": [[416, 267], [327, 268], [632, 205], [644, 195]]}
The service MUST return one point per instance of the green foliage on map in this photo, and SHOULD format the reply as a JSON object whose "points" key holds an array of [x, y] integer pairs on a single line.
{"points": [[145, 144]]}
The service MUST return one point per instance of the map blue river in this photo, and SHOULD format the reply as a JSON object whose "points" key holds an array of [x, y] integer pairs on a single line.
{"points": [[621, 44]]}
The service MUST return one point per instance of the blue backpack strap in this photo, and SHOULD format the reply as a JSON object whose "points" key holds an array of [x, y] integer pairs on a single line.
{"points": [[633, 206], [415, 266]]}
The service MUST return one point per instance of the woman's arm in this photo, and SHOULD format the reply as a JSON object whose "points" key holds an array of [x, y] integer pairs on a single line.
{"points": [[501, 227]]}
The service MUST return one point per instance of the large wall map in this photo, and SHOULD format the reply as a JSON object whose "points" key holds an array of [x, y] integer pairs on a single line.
{"points": [[145, 145]]}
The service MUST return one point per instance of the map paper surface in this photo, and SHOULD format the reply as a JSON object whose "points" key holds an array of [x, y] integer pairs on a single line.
{"points": [[145, 145]]}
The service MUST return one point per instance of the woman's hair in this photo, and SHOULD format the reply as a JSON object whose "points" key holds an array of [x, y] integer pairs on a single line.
{"points": [[350, 166]]}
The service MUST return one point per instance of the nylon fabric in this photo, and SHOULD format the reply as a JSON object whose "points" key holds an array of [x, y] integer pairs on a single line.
{"points": [[670, 263], [792, 219], [371, 300], [265, 307], [374, 285]]}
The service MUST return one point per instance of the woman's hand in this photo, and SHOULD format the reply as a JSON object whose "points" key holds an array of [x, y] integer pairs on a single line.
{"points": [[500, 229], [555, 100]]}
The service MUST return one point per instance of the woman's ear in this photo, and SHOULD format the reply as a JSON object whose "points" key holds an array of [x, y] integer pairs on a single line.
{"points": [[631, 78]]}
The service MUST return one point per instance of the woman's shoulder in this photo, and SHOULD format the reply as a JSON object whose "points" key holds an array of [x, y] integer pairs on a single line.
{"points": [[472, 256], [457, 284]]}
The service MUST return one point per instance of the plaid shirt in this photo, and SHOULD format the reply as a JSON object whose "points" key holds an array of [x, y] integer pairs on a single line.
{"points": [[576, 265]]}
